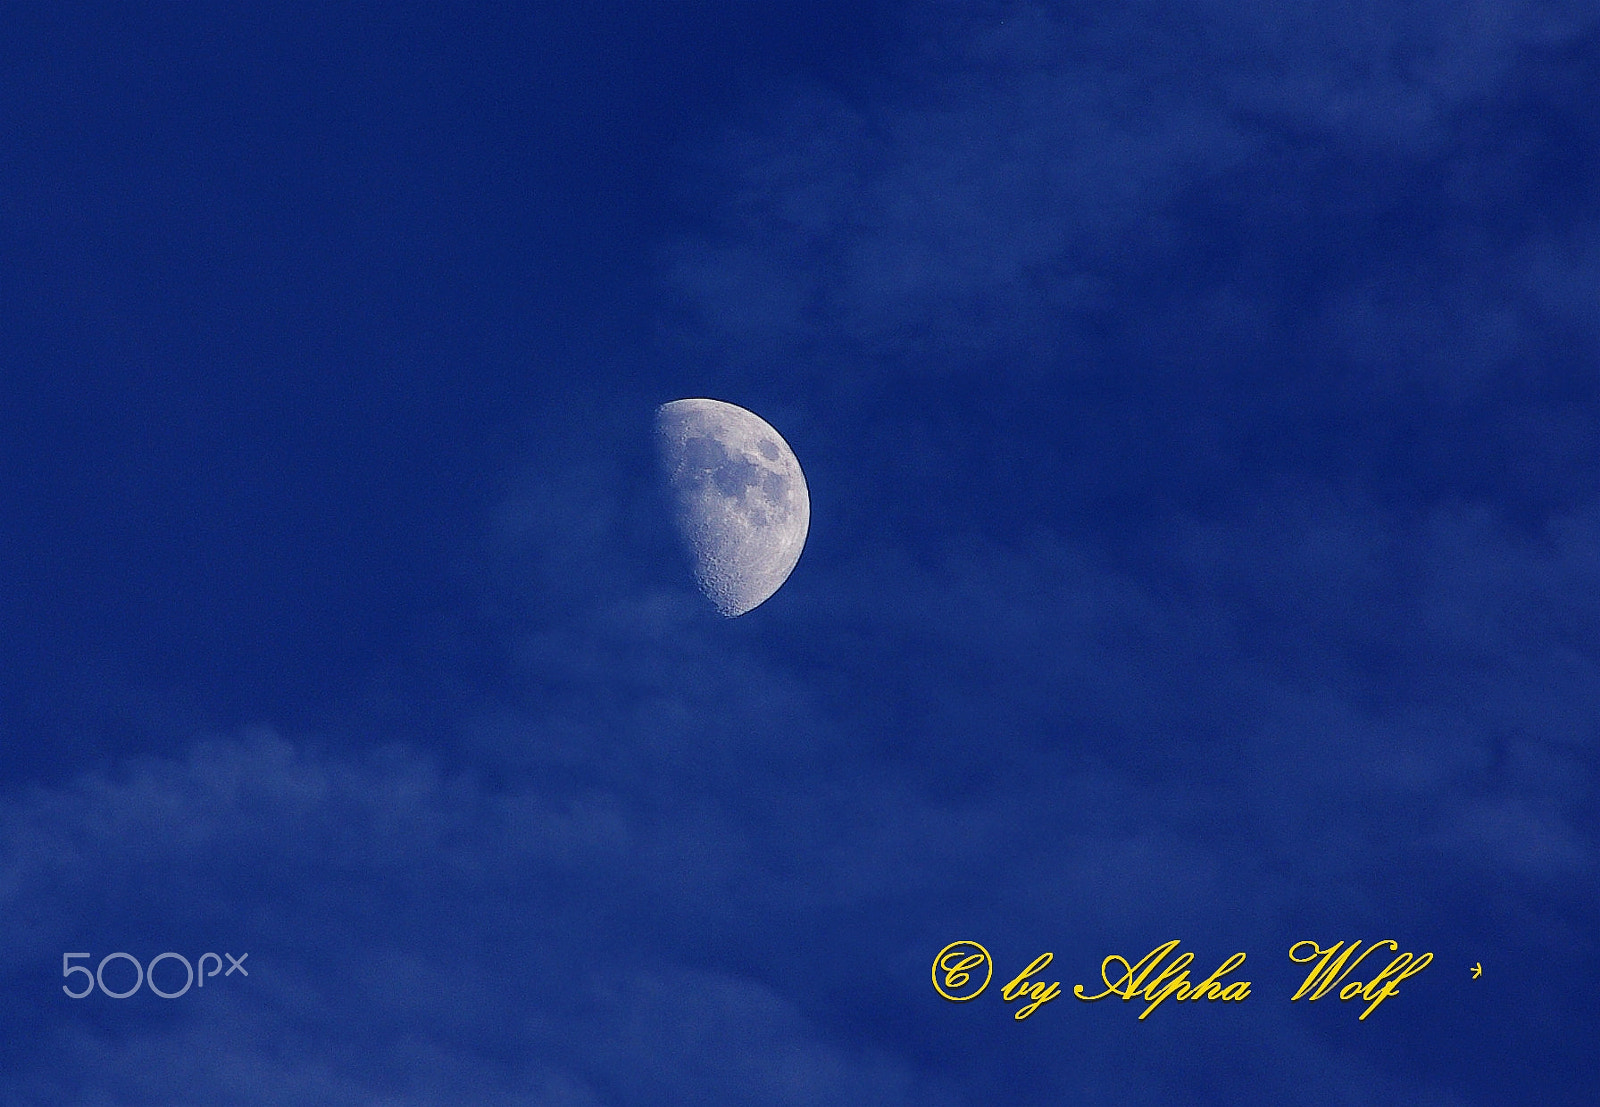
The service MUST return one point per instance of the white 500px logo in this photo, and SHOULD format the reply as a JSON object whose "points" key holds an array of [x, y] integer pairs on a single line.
{"points": [[235, 964]]}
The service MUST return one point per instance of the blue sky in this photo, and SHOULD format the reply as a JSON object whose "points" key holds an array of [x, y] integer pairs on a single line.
{"points": [[1200, 408]]}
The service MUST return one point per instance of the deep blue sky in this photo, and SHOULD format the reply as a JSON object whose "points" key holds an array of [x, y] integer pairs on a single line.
{"points": [[1201, 409]]}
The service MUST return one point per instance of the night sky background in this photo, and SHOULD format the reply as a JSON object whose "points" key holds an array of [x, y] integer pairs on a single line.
{"points": [[1200, 403]]}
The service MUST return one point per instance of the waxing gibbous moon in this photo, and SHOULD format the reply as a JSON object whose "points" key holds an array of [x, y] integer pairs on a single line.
{"points": [[739, 500]]}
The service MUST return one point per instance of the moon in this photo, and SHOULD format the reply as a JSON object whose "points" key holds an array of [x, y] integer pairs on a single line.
{"points": [[739, 500]]}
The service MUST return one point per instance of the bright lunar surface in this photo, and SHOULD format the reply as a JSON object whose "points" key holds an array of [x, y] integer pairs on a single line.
{"points": [[738, 497]]}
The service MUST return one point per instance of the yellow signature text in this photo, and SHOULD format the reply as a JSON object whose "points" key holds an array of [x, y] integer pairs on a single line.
{"points": [[957, 964], [1142, 979], [1333, 966], [1038, 991]]}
